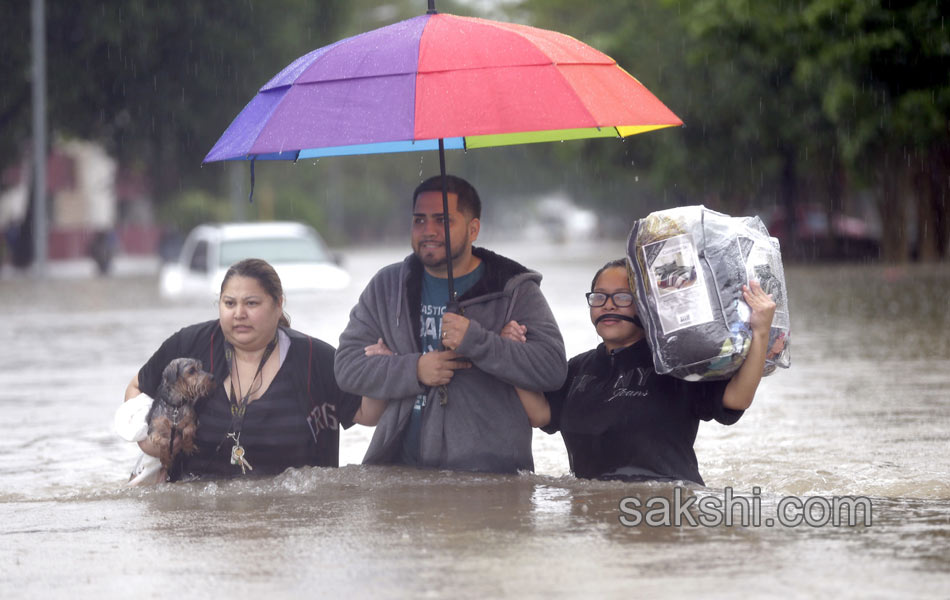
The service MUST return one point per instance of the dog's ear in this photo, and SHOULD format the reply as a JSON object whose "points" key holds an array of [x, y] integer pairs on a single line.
{"points": [[171, 373], [169, 390]]}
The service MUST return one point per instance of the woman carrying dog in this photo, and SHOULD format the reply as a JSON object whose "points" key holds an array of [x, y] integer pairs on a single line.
{"points": [[618, 417], [275, 402]]}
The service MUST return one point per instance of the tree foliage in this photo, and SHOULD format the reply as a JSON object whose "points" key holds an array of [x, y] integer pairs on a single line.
{"points": [[156, 82], [784, 103]]}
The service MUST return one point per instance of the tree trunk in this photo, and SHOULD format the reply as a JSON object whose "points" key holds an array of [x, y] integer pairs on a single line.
{"points": [[836, 189], [930, 185], [940, 197], [789, 201], [894, 243], [927, 250]]}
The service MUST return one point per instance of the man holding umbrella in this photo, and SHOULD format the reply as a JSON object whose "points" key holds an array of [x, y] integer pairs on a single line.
{"points": [[444, 380]]}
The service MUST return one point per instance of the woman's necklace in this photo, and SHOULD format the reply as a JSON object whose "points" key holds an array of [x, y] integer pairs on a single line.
{"points": [[239, 403]]}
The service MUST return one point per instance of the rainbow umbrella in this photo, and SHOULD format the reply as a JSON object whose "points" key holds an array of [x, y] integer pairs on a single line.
{"points": [[440, 81]]}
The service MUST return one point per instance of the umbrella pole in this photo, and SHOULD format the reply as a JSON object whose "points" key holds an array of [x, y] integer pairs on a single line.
{"points": [[452, 305]]}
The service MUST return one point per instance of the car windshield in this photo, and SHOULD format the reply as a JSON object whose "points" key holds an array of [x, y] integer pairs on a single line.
{"points": [[273, 250]]}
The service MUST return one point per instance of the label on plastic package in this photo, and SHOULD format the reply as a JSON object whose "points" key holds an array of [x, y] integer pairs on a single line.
{"points": [[761, 265], [677, 283]]}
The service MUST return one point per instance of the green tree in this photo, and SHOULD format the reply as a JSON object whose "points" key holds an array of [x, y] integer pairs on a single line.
{"points": [[764, 141], [883, 74], [156, 82], [785, 102]]}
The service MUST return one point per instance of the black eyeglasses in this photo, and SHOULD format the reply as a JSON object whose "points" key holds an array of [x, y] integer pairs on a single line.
{"points": [[621, 299]]}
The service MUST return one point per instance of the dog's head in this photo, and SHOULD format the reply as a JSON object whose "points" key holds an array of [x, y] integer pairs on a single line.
{"points": [[184, 382]]}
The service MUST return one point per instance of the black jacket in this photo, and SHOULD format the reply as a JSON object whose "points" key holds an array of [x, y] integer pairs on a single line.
{"points": [[621, 420]]}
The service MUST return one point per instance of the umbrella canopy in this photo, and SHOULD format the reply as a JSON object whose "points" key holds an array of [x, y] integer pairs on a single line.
{"points": [[466, 81], [440, 81]]}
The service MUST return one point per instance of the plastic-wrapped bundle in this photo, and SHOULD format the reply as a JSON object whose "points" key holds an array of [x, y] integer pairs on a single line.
{"points": [[687, 267]]}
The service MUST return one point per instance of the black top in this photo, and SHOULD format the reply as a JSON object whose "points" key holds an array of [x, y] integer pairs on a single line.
{"points": [[295, 423], [273, 435], [621, 420]]}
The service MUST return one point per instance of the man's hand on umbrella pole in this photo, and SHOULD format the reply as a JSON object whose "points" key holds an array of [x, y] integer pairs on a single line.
{"points": [[438, 366], [454, 328]]}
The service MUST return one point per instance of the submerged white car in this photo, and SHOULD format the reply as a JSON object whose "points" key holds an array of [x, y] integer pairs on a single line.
{"points": [[296, 251]]}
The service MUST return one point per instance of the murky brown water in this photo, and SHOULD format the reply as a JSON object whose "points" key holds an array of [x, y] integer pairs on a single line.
{"points": [[864, 412]]}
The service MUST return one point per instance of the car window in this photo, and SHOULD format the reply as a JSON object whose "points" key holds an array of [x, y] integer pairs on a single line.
{"points": [[817, 221], [273, 250], [199, 259]]}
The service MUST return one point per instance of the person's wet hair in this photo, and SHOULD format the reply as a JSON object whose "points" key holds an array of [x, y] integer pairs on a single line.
{"points": [[469, 203], [265, 275], [619, 262]]}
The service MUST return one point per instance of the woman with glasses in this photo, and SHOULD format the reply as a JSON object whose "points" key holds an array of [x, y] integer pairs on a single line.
{"points": [[620, 419]]}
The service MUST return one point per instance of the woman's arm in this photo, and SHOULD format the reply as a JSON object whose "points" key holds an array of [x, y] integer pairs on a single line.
{"points": [[740, 390], [369, 412], [535, 404], [371, 409], [133, 388]]}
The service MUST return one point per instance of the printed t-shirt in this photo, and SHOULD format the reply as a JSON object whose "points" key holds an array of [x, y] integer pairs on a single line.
{"points": [[435, 295]]}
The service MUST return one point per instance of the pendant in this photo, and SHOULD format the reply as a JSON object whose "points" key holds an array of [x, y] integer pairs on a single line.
{"points": [[237, 454]]}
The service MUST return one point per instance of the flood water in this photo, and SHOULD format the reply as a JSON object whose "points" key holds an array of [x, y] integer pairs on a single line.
{"points": [[863, 412]]}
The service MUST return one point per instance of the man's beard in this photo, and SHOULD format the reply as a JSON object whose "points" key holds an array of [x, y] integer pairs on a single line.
{"points": [[457, 251]]}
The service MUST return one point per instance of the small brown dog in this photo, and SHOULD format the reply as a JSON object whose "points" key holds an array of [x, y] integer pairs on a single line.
{"points": [[172, 420]]}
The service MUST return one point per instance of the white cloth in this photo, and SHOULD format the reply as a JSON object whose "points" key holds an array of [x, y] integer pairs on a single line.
{"points": [[130, 423], [147, 471]]}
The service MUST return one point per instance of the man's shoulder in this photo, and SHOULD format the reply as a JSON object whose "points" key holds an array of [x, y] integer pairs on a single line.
{"points": [[502, 272], [393, 271], [499, 263], [395, 267]]}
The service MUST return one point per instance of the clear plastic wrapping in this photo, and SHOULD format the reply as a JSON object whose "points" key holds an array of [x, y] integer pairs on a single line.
{"points": [[687, 266]]}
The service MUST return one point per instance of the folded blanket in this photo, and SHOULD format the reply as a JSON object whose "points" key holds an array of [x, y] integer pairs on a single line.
{"points": [[687, 266]]}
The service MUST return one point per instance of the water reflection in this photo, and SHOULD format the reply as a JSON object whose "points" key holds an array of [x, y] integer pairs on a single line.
{"points": [[862, 412]]}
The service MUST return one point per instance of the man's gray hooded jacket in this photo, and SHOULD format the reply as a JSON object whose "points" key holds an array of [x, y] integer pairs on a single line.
{"points": [[483, 425]]}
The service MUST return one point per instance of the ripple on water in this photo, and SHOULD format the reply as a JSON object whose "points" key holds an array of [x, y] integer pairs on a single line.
{"points": [[861, 412]]}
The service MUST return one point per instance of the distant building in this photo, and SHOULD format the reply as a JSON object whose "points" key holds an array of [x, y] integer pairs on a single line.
{"points": [[95, 209]]}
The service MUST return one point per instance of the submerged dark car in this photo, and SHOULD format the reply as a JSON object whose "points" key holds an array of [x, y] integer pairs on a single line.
{"points": [[824, 235]]}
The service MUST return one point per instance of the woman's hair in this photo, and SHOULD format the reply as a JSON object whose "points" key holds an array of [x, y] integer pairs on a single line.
{"points": [[265, 275], [622, 263], [619, 262]]}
